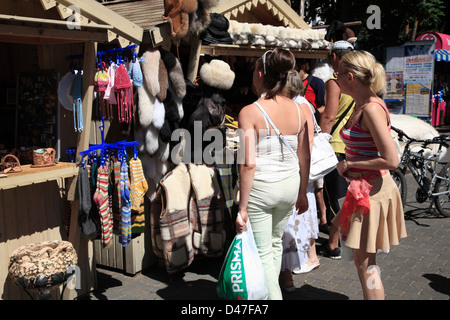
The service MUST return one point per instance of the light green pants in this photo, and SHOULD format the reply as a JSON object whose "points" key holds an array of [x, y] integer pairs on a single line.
{"points": [[269, 207]]}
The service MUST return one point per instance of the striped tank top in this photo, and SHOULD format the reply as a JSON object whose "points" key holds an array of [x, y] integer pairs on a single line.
{"points": [[359, 143]]}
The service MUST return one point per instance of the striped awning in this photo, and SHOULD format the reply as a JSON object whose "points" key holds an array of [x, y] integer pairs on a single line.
{"points": [[442, 55]]}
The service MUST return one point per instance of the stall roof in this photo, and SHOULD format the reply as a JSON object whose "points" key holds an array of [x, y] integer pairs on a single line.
{"points": [[63, 21], [270, 12], [442, 44], [442, 40], [145, 13]]}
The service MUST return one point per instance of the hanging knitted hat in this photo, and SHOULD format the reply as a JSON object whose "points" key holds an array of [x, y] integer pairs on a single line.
{"points": [[124, 92], [101, 79]]}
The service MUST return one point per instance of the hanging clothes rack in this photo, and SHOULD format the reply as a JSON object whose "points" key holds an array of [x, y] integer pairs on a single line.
{"points": [[116, 146]]}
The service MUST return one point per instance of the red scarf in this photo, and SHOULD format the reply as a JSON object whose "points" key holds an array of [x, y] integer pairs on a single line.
{"points": [[357, 199]]}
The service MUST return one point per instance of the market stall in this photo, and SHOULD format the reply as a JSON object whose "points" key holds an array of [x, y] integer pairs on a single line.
{"points": [[45, 40], [441, 96], [224, 36]]}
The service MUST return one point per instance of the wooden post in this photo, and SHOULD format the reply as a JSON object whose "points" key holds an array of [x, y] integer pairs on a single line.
{"points": [[194, 60], [82, 245]]}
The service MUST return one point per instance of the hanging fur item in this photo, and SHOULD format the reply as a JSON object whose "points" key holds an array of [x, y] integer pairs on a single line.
{"points": [[159, 114], [124, 92], [151, 140], [145, 106], [200, 19], [177, 13], [163, 81], [175, 71], [150, 71]]}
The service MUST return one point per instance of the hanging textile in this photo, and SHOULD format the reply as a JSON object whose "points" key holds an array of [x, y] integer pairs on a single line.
{"points": [[76, 92], [124, 94], [138, 188], [101, 83], [101, 199], [125, 222]]}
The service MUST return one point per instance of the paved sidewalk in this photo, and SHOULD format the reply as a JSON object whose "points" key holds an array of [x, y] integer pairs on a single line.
{"points": [[417, 269]]}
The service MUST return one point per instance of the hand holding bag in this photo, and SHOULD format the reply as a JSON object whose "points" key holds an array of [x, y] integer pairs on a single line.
{"points": [[242, 274]]}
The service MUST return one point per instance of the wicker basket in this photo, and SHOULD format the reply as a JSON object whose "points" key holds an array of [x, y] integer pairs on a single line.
{"points": [[44, 157]]}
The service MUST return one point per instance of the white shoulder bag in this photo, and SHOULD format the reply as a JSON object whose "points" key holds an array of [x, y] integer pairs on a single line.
{"points": [[323, 157]]}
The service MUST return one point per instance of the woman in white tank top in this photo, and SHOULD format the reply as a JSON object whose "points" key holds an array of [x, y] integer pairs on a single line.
{"points": [[274, 176]]}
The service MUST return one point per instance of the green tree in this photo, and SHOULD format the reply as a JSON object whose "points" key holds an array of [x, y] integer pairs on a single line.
{"points": [[398, 18]]}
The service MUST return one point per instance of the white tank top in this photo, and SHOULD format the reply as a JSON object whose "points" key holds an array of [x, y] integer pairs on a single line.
{"points": [[274, 161]]}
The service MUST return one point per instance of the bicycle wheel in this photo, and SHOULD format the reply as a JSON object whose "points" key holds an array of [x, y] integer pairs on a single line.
{"points": [[400, 181], [442, 202]]}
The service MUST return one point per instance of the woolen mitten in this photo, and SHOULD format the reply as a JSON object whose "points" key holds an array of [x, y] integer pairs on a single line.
{"points": [[138, 184], [85, 221], [101, 199], [125, 221]]}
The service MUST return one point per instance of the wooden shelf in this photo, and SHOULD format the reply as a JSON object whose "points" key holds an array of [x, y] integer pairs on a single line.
{"points": [[30, 176], [257, 51]]}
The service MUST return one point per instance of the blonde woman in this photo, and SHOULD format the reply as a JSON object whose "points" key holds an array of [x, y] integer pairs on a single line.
{"points": [[272, 179], [374, 222]]}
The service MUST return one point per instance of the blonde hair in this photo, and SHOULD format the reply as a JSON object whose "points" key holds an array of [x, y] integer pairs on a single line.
{"points": [[294, 84], [366, 69]]}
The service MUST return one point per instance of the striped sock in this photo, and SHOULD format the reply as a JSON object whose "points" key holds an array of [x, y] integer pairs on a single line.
{"points": [[138, 184], [125, 225], [101, 199], [117, 199]]}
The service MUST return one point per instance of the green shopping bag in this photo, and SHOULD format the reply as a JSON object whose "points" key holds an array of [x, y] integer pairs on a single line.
{"points": [[242, 274]]}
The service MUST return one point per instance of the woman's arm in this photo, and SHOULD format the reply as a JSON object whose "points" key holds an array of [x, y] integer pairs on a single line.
{"points": [[328, 116], [304, 159], [247, 168], [374, 120]]}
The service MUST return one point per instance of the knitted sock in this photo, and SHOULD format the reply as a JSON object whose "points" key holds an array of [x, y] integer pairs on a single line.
{"points": [[101, 199], [138, 219], [85, 221], [117, 198], [125, 222], [138, 184]]}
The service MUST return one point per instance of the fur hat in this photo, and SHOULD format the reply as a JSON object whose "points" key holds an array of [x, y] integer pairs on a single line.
{"points": [[150, 71], [145, 106], [217, 74], [200, 19]]}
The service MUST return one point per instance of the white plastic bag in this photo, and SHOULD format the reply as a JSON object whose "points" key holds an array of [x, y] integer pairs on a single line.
{"points": [[242, 274]]}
